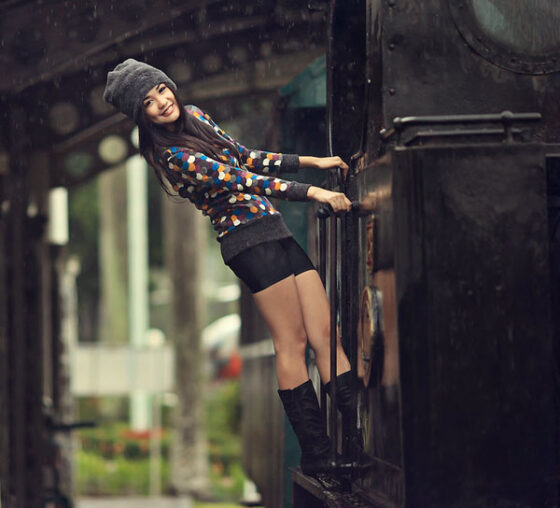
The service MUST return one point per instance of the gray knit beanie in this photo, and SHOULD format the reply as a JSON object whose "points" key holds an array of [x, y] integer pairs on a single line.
{"points": [[129, 82]]}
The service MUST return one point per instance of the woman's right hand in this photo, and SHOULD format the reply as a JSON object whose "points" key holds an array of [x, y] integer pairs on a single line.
{"points": [[338, 201]]}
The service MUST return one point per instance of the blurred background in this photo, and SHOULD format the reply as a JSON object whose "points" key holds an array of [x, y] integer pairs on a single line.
{"points": [[120, 326]]}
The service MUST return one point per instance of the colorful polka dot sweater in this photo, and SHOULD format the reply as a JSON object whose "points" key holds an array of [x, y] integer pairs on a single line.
{"points": [[234, 193]]}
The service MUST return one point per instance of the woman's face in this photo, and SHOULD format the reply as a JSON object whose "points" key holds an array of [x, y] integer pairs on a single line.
{"points": [[160, 105]]}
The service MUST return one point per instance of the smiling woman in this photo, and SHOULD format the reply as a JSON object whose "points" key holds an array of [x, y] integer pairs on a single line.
{"points": [[194, 158]]}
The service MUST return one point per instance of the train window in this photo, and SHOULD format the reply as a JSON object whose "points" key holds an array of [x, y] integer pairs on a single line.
{"points": [[529, 26], [519, 35]]}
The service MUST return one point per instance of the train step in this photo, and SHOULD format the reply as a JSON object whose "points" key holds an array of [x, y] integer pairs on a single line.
{"points": [[309, 492]]}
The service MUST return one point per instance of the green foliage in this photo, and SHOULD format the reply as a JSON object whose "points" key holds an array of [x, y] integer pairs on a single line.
{"points": [[223, 409], [113, 460], [98, 476], [223, 413], [117, 439]]}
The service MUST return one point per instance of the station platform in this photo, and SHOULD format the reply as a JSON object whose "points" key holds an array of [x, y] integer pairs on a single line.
{"points": [[134, 502]]}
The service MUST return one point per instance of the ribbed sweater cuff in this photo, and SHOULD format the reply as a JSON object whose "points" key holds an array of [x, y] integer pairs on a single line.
{"points": [[290, 163], [298, 191]]}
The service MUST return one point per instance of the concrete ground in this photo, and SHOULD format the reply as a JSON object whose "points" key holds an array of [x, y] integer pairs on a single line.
{"points": [[134, 502]]}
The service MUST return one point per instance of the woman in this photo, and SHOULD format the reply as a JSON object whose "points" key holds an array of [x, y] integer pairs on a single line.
{"points": [[202, 163]]}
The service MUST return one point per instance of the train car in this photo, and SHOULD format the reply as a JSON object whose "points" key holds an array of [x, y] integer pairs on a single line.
{"points": [[447, 270], [444, 279]]}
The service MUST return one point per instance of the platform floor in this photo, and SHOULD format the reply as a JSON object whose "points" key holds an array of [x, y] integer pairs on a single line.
{"points": [[134, 502]]}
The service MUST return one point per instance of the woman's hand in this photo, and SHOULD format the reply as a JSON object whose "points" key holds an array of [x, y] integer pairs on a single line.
{"points": [[323, 163], [338, 201]]}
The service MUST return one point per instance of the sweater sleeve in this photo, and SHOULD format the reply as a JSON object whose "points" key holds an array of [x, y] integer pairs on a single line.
{"points": [[259, 161], [190, 170]]}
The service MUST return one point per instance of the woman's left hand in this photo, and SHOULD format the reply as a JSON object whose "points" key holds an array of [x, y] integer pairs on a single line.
{"points": [[323, 163], [331, 162]]}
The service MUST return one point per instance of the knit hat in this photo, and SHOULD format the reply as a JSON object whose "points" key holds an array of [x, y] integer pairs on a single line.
{"points": [[129, 82]]}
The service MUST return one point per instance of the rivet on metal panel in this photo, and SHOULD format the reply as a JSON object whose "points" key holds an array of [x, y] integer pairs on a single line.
{"points": [[392, 91], [392, 46]]}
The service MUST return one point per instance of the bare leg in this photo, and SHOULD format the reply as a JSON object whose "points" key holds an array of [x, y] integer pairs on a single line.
{"points": [[280, 307], [316, 317]]}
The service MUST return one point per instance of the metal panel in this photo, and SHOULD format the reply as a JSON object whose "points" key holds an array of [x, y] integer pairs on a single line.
{"points": [[476, 363]]}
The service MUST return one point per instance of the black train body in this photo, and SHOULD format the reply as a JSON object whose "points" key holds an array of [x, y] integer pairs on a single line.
{"points": [[449, 270]]}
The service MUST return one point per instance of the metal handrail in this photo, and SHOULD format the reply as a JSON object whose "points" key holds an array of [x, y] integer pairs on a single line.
{"points": [[506, 118]]}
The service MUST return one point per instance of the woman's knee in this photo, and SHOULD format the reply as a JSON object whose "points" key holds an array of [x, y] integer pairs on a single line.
{"points": [[290, 345], [321, 333]]}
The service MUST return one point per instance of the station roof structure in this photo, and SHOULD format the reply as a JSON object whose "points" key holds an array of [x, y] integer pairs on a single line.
{"points": [[55, 55]]}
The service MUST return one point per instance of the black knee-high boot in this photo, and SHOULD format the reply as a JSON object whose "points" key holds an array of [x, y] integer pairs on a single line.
{"points": [[305, 415], [346, 403]]}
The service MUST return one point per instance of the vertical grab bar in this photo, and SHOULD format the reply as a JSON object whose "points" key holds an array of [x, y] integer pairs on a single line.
{"points": [[333, 298], [323, 213]]}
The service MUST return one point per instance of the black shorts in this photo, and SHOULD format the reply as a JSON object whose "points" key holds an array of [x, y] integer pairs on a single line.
{"points": [[267, 263]]}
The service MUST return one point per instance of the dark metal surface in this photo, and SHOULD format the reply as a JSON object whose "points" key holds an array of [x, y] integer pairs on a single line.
{"points": [[428, 75], [346, 76], [467, 376], [473, 291]]}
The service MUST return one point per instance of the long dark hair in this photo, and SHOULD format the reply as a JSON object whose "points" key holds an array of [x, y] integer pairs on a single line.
{"points": [[189, 132]]}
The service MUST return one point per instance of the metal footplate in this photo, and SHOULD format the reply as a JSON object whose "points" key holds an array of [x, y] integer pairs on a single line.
{"points": [[324, 491]]}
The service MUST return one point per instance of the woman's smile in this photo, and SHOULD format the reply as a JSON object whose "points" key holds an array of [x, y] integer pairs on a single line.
{"points": [[168, 110], [160, 105]]}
